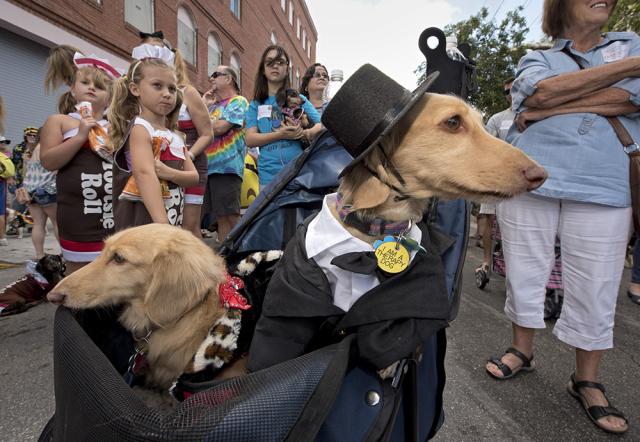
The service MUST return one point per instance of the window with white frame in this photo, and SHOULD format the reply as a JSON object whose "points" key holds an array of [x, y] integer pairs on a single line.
{"points": [[291, 73], [187, 35], [298, 26], [214, 53], [235, 8], [297, 78], [234, 62], [283, 4], [274, 40], [304, 39], [139, 13], [291, 12], [309, 50]]}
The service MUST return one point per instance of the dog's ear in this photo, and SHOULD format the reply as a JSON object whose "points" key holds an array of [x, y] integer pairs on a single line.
{"points": [[370, 193], [39, 267], [182, 276]]}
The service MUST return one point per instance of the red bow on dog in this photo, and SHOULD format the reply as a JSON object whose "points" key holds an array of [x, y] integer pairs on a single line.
{"points": [[229, 295]]}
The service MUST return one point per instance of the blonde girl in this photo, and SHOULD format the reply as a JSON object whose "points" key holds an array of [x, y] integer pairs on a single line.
{"points": [[83, 182], [152, 160], [193, 121]]}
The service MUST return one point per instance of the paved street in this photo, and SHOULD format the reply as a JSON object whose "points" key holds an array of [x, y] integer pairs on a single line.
{"points": [[534, 407]]}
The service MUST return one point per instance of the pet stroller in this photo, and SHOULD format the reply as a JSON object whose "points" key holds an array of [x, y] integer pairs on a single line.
{"points": [[553, 295], [325, 395]]}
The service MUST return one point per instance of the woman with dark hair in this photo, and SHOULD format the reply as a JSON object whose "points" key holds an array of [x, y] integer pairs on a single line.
{"points": [[564, 98], [314, 84], [277, 136]]}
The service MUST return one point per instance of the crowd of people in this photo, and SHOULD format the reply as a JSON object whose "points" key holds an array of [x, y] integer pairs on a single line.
{"points": [[145, 146], [565, 108]]}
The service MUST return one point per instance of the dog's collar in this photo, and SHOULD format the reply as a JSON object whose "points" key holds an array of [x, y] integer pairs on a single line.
{"points": [[375, 227]]}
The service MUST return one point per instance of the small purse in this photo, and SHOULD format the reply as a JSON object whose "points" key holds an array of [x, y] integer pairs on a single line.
{"points": [[22, 195], [632, 149]]}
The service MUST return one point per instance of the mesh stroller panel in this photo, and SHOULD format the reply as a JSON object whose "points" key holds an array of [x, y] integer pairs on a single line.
{"points": [[95, 403]]}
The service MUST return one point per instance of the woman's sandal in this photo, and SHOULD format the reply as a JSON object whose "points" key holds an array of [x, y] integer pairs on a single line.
{"points": [[595, 412], [507, 372], [634, 298]]}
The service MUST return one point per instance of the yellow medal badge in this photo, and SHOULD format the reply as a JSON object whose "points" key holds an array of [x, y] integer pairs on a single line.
{"points": [[392, 256]]}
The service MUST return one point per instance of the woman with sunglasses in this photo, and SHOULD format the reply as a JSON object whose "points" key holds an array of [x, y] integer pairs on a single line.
{"points": [[314, 84], [277, 136]]}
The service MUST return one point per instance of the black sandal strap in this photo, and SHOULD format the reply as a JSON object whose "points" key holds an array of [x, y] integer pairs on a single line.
{"points": [[597, 412], [504, 368], [578, 385], [526, 362]]}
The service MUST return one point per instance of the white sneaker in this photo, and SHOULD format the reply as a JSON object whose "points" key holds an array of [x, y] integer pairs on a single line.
{"points": [[20, 232], [3, 242]]}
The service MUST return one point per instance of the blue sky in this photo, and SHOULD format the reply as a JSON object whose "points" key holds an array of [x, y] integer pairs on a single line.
{"points": [[532, 11], [385, 32]]}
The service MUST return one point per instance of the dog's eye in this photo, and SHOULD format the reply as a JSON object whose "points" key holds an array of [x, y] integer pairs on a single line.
{"points": [[118, 259], [453, 123]]}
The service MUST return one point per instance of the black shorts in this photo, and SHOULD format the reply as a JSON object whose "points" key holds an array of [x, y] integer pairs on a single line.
{"points": [[222, 196]]}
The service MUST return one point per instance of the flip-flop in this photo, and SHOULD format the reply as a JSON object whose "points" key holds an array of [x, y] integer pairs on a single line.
{"points": [[634, 298], [595, 412], [507, 372]]}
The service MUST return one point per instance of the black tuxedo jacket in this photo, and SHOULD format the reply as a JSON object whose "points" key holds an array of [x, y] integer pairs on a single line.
{"points": [[389, 321]]}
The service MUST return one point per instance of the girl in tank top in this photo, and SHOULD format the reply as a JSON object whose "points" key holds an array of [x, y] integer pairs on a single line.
{"points": [[152, 163], [84, 179], [193, 121]]}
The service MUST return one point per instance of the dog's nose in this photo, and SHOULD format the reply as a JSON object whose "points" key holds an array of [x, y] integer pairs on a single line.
{"points": [[56, 297], [536, 175]]}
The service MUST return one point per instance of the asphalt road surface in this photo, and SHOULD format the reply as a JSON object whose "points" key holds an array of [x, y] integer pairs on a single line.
{"points": [[532, 407]]}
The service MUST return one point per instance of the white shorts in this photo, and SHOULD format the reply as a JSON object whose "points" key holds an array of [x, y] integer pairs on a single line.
{"points": [[593, 244]]}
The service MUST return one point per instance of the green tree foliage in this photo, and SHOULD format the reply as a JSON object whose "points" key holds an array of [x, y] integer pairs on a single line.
{"points": [[496, 49], [626, 16]]}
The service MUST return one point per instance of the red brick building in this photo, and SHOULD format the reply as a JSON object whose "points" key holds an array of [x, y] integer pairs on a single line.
{"points": [[208, 32]]}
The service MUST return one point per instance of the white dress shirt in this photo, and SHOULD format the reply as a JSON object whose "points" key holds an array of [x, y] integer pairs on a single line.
{"points": [[327, 238]]}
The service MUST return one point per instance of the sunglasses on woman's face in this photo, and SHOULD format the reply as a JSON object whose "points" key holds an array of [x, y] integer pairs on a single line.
{"points": [[320, 75], [218, 74], [278, 62]]}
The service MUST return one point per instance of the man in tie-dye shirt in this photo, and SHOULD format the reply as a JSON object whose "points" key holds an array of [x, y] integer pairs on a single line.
{"points": [[225, 155]]}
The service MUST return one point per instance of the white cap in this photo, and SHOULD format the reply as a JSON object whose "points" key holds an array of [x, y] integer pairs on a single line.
{"points": [[337, 75]]}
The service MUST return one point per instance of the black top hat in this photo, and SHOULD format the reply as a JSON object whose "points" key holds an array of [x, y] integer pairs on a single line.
{"points": [[367, 106]]}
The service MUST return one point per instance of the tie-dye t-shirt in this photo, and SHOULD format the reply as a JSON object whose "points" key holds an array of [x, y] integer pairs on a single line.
{"points": [[226, 153]]}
